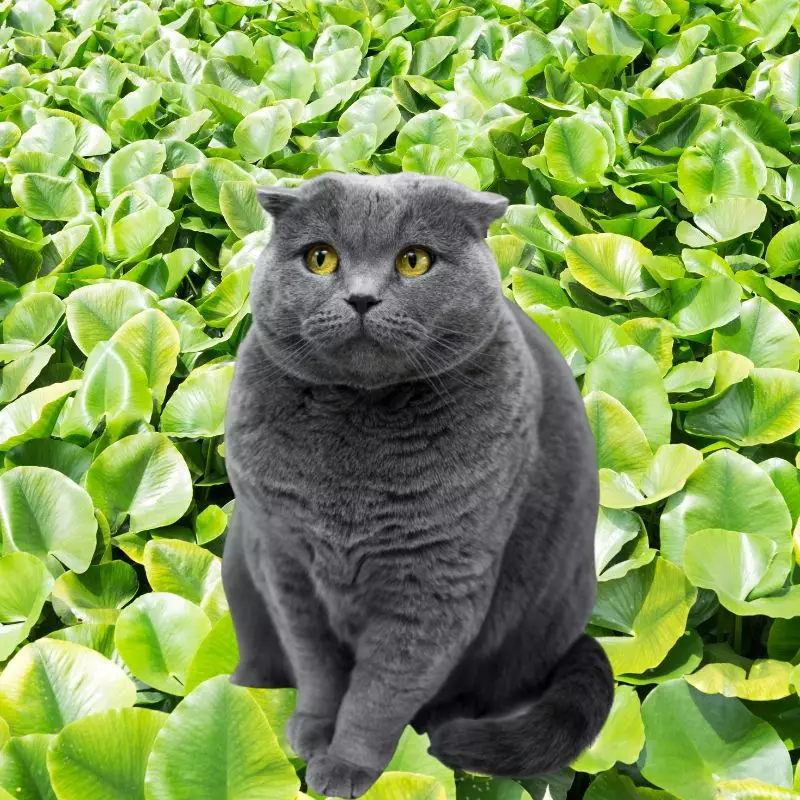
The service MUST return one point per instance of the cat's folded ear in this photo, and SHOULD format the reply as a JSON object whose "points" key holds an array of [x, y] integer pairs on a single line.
{"points": [[481, 208], [275, 200], [489, 206]]}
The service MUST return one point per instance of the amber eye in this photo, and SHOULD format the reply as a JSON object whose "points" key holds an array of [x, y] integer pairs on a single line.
{"points": [[413, 262], [321, 259]]}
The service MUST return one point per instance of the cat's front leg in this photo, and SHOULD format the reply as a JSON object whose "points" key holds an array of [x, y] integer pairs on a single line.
{"points": [[402, 660], [320, 663]]}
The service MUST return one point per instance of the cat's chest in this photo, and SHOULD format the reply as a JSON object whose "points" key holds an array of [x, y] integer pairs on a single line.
{"points": [[344, 468]]}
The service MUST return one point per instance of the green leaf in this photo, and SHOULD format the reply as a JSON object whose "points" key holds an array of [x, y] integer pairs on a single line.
{"points": [[649, 606], [489, 82], [103, 75], [133, 222], [632, 376], [152, 341], [689, 81], [772, 19], [104, 755], [210, 524], [614, 530], [239, 205], [405, 786], [181, 568], [129, 164], [608, 264], [411, 755], [207, 179], [32, 319], [762, 333], [16, 377], [197, 408], [23, 767], [721, 165], [48, 197], [262, 133], [53, 135], [50, 683], [621, 738], [142, 478], [576, 151], [46, 514], [742, 564], [783, 252], [687, 755], [25, 584], [593, 335], [765, 680], [238, 756], [751, 790], [113, 388], [610, 35], [620, 442], [137, 106], [218, 654], [730, 492], [32, 16], [34, 414], [430, 159], [745, 558], [157, 636], [374, 109], [730, 219], [430, 127], [702, 304], [761, 409], [97, 311], [666, 474], [67, 458], [97, 594]]}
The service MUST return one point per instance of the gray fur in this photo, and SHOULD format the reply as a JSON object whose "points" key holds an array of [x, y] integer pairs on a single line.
{"points": [[412, 541]]}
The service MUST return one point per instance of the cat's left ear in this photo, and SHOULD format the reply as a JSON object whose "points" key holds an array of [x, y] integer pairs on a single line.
{"points": [[275, 200], [482, 208]]}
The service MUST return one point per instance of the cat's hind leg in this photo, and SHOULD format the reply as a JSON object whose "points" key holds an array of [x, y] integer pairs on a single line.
{"points": [[263, 662]]}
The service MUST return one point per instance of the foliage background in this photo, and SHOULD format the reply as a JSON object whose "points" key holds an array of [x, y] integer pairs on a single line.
{"points": [[648, 148]]}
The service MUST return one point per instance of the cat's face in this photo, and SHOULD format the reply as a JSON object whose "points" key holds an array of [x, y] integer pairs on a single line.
{"points": [[373, 280]]}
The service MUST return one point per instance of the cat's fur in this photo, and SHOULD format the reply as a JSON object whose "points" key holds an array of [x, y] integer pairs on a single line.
{"points": [[412, 540]]}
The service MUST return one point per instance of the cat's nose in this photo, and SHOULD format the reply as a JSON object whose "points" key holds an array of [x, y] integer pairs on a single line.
{"points": [[362, 302]]}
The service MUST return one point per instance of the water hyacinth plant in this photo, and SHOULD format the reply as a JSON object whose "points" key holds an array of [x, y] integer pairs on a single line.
{"points": [[650, 152]]}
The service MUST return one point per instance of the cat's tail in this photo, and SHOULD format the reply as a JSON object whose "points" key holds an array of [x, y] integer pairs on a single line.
{"points": [[542, 736]]}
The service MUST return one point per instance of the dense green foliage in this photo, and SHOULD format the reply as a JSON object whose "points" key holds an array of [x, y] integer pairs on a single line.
{"points": [[648, 148]]}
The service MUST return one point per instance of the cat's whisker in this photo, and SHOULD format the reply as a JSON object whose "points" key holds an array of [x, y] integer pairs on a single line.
{"points": [[295, 357], [435, 377], [458, 370], [423, 374]]}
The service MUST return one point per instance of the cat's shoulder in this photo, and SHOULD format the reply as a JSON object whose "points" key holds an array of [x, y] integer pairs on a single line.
{"points": [[550, 363], [258, 383]]}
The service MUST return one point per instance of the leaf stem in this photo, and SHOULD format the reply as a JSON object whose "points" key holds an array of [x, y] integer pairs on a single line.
{"points": [[737, 633], [207, 469]]}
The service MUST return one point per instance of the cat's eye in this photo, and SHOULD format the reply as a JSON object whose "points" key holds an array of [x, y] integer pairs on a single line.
{"points": [[321, 259], [413, 262]]}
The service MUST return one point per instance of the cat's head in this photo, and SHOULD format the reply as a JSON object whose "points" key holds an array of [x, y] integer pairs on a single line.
{"points": [[374, 280]]}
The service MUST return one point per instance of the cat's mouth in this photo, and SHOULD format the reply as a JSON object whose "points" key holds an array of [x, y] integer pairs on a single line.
{"points": [[366, 335]]}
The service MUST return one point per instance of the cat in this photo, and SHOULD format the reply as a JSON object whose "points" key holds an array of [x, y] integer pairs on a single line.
{"points": [[416, 491]]}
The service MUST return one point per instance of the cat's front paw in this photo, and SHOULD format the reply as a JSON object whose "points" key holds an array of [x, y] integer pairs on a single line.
{"points": [[335, 777], [308, 734]]}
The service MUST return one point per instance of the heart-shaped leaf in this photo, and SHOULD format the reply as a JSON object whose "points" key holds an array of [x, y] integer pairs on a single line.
{"points": [[187, 758]]}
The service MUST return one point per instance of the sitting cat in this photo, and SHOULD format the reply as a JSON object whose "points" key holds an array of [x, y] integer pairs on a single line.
{"points": [[416, 492]]}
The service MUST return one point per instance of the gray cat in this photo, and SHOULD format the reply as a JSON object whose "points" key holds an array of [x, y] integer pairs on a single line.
{"points": [[416, 492]]}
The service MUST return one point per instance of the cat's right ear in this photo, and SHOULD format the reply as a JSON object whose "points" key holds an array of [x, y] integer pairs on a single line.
{"points": [[276, 200]]}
